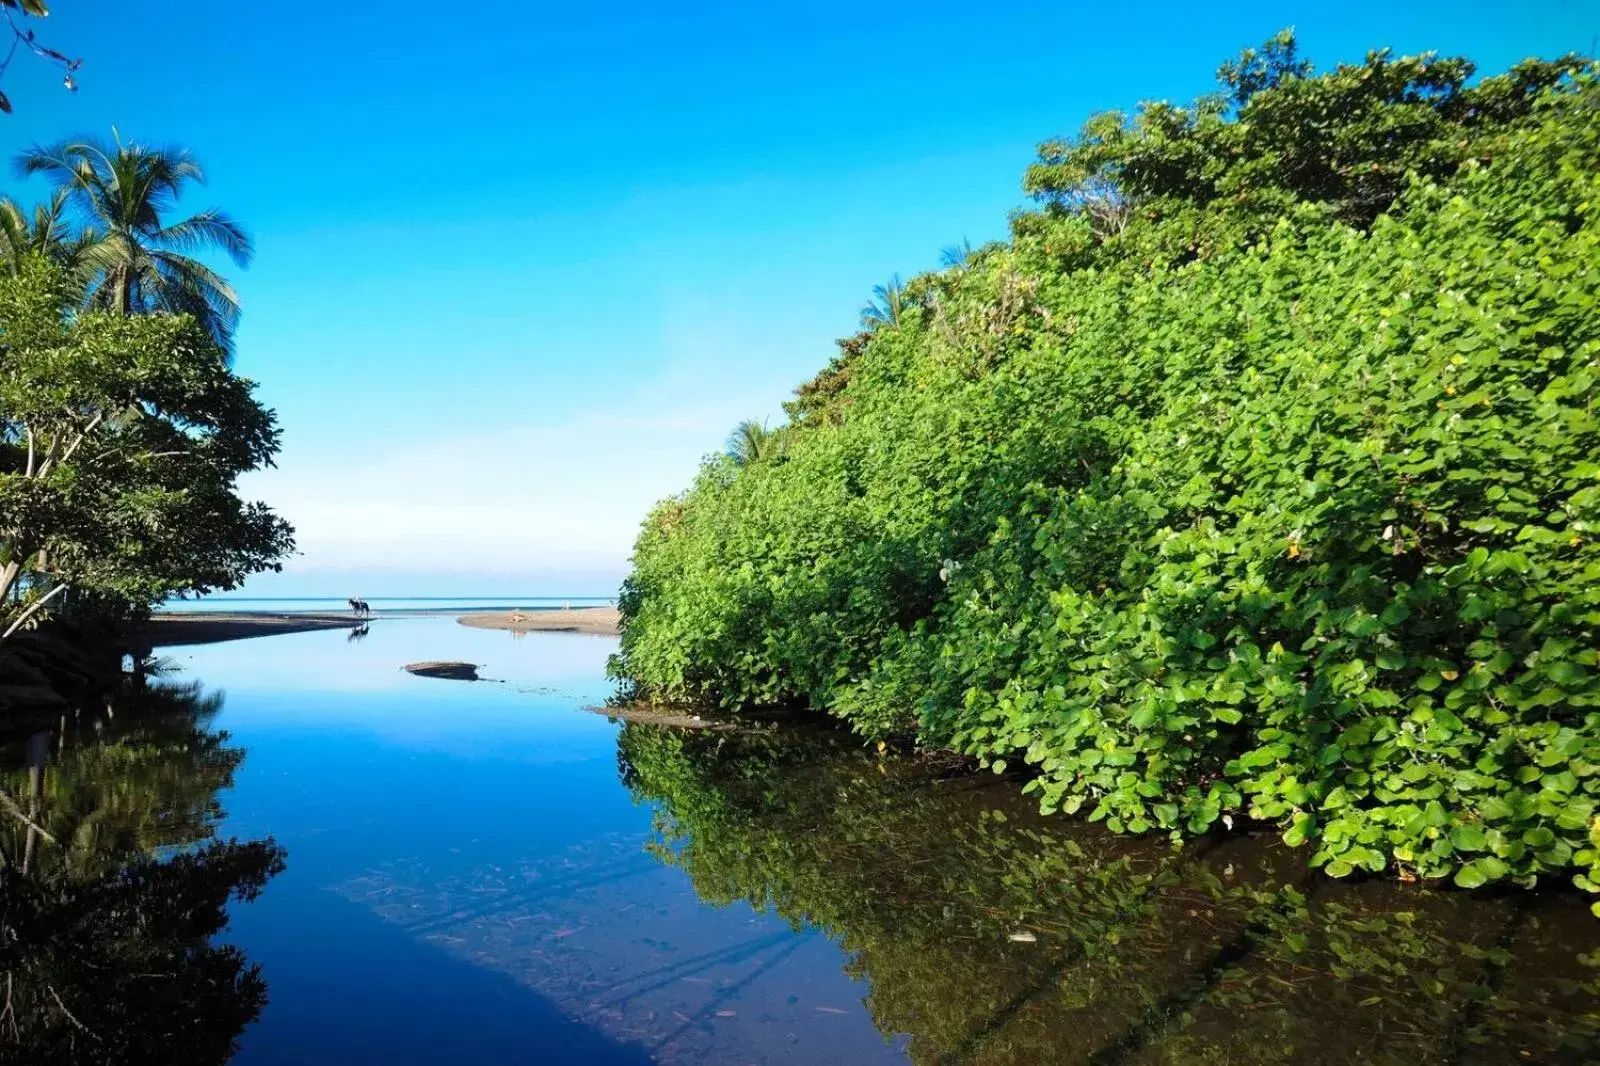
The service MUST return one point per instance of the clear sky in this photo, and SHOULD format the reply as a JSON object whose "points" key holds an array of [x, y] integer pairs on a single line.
{"points": [[520, 265]]}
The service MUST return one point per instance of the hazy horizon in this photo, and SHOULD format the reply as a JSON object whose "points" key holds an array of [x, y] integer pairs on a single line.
{"points": [[369, 583]]}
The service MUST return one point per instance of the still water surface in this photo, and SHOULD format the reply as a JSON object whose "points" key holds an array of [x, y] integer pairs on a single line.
{"points": [[483, 873]]}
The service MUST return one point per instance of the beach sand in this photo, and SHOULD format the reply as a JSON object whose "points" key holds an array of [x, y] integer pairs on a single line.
{"points": [[598, 620], [168, 630]]}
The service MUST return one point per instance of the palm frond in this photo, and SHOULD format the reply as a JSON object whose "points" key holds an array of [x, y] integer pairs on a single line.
{"points": [[956, 255], [887, 306], [188, 287], [210, 228], [131, 258], [751, 441]]}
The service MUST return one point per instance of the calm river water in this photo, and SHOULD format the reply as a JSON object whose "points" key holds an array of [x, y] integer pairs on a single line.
{"points": [[289, 851]]}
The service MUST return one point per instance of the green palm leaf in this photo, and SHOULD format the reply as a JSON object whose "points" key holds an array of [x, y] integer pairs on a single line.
{"points": [[133, 259]]}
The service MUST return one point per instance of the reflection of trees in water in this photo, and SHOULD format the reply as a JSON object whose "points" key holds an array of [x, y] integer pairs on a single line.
{"points": [[1227, 952], [112, 886]]}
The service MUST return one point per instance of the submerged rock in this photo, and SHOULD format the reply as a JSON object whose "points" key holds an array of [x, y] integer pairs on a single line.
{"points": [[450, 671]]}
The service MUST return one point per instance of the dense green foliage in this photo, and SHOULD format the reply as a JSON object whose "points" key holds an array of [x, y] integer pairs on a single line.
{"points": [[121, 438], [990, 935], [1257, 477]]}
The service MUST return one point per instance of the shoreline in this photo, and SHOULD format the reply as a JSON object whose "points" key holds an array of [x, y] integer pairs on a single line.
{"points": [[174, 630], [179, 629], [598, 621]]}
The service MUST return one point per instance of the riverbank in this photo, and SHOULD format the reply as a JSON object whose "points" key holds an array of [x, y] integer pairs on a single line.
{"points": [[169, 630], [601, 621]]}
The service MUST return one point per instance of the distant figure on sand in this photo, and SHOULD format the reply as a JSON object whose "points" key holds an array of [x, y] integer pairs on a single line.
{"points": [[360, 607]]}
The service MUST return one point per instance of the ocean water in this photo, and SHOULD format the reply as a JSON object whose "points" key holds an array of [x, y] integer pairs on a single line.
{"points": [[380, 604]]}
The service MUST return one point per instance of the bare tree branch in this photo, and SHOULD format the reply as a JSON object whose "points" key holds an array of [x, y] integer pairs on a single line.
{"points": [[21, 37]]}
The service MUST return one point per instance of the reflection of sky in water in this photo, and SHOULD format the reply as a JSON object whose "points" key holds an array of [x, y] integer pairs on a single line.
{"points": [[467, 880]]}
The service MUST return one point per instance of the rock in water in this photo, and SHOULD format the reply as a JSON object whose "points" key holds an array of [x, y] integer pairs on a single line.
{"points": [[447, 670]]}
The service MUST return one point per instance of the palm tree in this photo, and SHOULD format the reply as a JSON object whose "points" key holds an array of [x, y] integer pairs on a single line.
{"points": [[47, 232], [752, 440], [888, 304], [137, 261], [957, 255]]}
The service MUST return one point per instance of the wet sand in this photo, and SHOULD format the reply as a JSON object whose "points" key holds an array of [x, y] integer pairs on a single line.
{"points": [[598, 620], [168, 630]]}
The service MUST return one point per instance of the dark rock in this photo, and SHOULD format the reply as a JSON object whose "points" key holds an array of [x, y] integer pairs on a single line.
{"points": [[448, 670]]}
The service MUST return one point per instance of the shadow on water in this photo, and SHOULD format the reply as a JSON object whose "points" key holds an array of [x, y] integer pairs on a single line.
{"points": [[990, 935], [370, 1005]]}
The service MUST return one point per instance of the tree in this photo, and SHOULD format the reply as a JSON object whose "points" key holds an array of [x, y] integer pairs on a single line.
{"points": [[751, 441], [957, 256], [1275, 136], [888, 304], [138, 260], [120, 440], [1277, 61], [47, 232], [24, 38]]}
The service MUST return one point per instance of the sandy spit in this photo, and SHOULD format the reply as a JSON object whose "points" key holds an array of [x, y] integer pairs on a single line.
{"points": [[167, 630], [598, 620]]}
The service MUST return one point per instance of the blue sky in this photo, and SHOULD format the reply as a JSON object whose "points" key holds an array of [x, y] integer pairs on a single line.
{"points": [[519, 266]]}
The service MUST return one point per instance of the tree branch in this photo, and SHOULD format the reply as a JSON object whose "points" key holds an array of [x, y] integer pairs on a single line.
{"points": [[19, 37], [25, 615], [90, 1032], [51, 460], [14, 809], [90, 428]]}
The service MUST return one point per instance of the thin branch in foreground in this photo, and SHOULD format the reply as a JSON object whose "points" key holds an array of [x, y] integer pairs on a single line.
{"points": [[15, 809], [21, 37], [89, 1032], [25, 615]]}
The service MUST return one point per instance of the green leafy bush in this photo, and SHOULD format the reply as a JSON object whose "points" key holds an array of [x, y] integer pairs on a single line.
{"points": [[1257, 477]]}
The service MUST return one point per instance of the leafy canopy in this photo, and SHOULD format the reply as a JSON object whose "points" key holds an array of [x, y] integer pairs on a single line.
{"points": [[120, 441], [1254, 478]]}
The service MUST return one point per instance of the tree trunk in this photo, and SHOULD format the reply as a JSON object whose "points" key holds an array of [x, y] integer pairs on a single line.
{"points": [[38, 753]]}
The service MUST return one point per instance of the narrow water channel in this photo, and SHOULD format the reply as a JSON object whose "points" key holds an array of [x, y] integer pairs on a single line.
{"points": [[287, 850]]}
